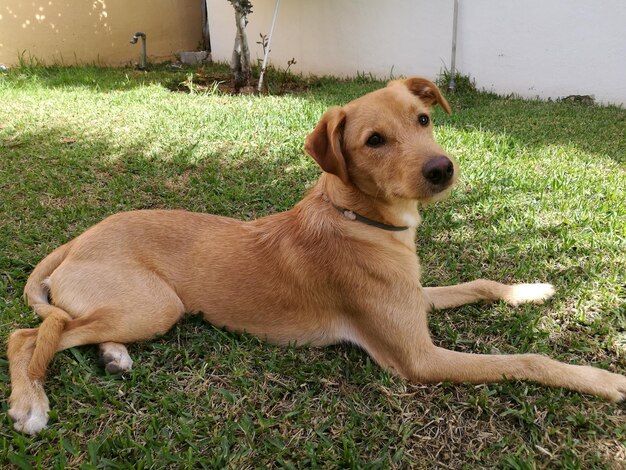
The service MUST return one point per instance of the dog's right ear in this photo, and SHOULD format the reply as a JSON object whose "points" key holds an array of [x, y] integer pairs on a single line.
{"points": [[426, 90], [324, 143]]}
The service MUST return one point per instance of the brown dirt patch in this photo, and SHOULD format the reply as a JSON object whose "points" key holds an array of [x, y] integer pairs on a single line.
{"points": [[207, 82]]}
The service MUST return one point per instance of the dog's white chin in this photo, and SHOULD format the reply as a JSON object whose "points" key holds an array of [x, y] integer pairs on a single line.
{"points": [[437, 196]]}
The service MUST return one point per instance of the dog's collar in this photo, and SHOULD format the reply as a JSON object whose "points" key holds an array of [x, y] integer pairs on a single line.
{"points": [[348, 214]]}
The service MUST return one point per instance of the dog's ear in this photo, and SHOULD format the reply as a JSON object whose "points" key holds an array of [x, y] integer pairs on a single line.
{"points": [[324, 143], [425, 90]]}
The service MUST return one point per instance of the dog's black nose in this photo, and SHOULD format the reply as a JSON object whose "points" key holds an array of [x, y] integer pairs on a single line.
{"points": [[438, 170]]}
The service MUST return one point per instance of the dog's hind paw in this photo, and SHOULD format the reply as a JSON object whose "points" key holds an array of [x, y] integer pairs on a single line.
{"points": [[523, 293], [115, 358], [29, 411]]}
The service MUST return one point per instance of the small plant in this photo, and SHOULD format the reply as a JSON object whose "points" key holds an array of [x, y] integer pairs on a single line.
{"points": [[188, 83], [365, 78], [263, 43], [28, 61], [462, 83], [285, 76], [202, 85]]}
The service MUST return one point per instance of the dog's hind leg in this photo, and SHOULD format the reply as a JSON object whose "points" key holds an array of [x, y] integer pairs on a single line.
{"points": [[28, 402], [483, 289], [30, 351]]}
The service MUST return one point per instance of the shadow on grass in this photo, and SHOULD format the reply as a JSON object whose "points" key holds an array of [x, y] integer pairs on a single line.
{"points": [[98, 79], [179, 79]]}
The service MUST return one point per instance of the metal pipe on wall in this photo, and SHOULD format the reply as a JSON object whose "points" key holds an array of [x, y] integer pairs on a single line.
{"points": [[451, 85], [143, 61]]}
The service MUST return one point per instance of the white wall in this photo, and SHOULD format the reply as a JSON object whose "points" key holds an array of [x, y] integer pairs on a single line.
{"points": [[545, 48], [343, 37]]}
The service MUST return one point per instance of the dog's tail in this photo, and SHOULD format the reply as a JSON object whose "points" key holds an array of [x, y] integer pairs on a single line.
{"points": [[50, 331], [36, 290], [48, 337]]}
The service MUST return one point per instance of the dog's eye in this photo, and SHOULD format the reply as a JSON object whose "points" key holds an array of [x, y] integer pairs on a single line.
{"points": [[375, 140], [423, 119]]}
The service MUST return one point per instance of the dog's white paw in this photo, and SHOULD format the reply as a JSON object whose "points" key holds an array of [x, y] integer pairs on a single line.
{"points": [[115, 358], [29, 411], [535, 293]]}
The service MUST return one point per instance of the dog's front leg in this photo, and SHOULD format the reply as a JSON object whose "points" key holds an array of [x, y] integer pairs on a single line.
{"points": [[442, 365], [399, 339], [482, 289]]}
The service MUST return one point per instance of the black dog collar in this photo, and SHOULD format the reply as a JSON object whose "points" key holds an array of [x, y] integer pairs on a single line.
{"points": [[347, 213]]}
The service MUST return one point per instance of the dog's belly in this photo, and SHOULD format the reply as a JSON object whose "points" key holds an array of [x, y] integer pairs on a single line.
{"points": [[286, 327], [252, 297]]}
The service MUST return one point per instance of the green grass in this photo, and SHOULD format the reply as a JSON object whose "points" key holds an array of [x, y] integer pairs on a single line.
{"points": [[542, 198]]}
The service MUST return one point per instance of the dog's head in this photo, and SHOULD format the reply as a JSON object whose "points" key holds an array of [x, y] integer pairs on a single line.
{"points": [[383, 143]]}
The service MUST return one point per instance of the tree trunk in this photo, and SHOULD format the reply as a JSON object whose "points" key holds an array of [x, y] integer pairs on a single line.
{"points": [[240, 61]]}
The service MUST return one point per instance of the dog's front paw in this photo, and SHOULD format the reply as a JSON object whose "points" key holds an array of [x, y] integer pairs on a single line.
{"points": [[606, 384], [29, 411], [535, 293]]}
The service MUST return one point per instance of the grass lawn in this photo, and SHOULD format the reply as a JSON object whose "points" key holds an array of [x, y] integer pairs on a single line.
{"points": [[542, 197]]}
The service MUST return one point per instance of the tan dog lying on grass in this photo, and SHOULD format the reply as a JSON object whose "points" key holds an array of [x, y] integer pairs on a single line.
{"points": [[340, 266]]}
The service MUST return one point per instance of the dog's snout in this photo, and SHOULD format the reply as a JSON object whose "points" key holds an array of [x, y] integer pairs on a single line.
{"points": [[438, 170]]}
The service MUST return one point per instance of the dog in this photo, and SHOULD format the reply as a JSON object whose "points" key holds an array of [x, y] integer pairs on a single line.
{"points": [[341, 266]]}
